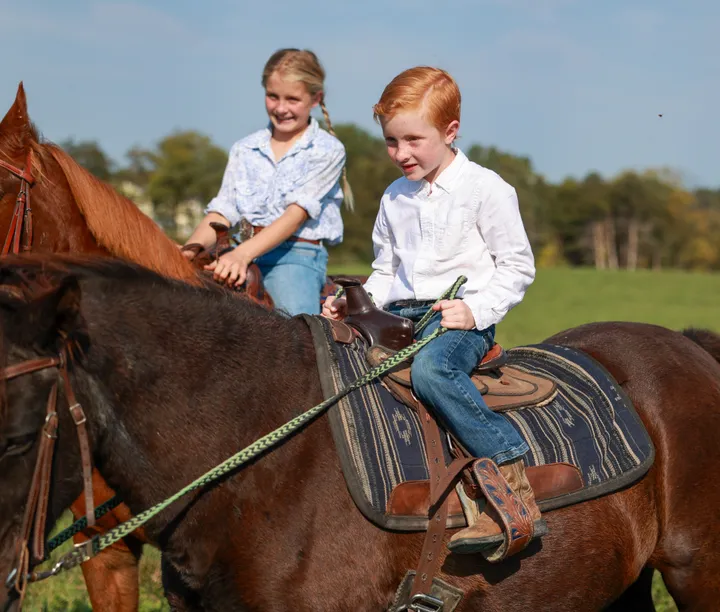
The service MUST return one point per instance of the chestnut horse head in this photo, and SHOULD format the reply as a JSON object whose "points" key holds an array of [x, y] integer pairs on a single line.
{"points": [[67, 209]]}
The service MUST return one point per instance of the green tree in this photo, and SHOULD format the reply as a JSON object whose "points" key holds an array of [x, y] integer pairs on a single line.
{"points": [[141, 165], [187, 166], [370, 171]]}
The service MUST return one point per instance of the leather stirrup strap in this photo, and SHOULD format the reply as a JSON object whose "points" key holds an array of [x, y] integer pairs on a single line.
{"points": [[442, 482], [78, 416]]}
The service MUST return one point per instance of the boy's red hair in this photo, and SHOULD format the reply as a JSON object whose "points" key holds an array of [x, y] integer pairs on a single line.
{"points": [[422, 86]]}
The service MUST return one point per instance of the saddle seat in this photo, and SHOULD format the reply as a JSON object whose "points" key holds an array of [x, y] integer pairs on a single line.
{"points": [[503, 387]]}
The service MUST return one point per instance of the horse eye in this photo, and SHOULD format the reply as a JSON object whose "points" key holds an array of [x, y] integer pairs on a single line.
{"points": [[17, 446], [18, 449]]}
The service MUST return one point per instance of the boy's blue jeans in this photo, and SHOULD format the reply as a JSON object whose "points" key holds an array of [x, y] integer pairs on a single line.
{"points": [[440, 375]]}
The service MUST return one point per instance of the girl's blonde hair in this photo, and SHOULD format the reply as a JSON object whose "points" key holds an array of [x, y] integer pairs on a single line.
{"points": [[304, 66]]}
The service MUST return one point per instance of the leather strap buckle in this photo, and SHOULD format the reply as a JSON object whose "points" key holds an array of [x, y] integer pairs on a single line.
{"points": [[10, 580], [84, 550], [50, 428], [423, 603], [78, 414]]}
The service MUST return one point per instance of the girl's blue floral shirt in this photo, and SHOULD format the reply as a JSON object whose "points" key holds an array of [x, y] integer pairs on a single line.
{"points": [[258, 188]]}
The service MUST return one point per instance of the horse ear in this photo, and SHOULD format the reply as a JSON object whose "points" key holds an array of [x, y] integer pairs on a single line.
{"points": [[16, 119], [68, 318], [52, 314]]}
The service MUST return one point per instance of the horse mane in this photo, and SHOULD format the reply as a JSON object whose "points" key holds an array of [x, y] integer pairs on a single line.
{"points": [[119, 226], [33, 276]]}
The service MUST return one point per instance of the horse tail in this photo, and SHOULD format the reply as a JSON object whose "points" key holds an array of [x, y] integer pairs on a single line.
{"points": [[704, 338]]}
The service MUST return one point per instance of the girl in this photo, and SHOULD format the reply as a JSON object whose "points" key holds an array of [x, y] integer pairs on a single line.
{"points": [[285, 181]]}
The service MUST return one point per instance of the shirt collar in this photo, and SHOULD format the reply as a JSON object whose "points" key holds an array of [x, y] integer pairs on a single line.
{"points": [[449, 178], [261, 140]]}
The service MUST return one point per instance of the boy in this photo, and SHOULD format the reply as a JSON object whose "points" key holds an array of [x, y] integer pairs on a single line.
{"points": [[449, 216]]}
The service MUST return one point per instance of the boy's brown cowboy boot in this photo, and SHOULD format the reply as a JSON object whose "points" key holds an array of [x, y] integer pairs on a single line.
{"points": [[484, 531]]}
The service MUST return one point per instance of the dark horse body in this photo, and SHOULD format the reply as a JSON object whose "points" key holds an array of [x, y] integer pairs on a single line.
{"points": [[284, 534]]}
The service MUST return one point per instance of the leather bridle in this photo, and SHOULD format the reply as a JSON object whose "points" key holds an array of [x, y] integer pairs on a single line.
{"points": [[20, 233], [35, 515]]}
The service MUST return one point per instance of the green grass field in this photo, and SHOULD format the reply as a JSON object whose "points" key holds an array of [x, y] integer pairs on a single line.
{"points": [[559, 299]]}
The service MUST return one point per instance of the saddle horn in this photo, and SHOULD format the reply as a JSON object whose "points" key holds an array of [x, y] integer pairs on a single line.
{"points": [[375, 325]]}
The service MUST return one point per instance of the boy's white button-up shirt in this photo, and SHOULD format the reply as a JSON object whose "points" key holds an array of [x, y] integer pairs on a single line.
{"points": [[467, 222]]}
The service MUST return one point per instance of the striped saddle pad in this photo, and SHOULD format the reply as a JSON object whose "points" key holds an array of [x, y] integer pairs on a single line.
{"points": [[590, 424]]}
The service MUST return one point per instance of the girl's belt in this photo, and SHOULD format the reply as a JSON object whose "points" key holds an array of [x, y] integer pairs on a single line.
{"points": [[257, 228]]}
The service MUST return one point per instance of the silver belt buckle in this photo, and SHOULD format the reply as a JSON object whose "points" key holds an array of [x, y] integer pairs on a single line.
{"points": [[246, 230]]}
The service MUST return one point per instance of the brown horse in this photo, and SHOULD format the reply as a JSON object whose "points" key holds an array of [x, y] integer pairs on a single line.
{"points": [[284, 533]]}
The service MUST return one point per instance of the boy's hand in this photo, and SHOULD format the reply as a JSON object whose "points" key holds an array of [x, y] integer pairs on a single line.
{"points": [[334, 308], [456, 314]]}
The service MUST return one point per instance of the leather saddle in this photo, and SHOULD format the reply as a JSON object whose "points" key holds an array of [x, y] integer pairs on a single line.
{"points": [[379, 328], [502, 386]]}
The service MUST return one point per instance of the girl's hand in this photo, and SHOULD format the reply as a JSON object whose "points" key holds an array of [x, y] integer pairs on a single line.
{"points": [[456, 314], [334, 308], [231, 268]]}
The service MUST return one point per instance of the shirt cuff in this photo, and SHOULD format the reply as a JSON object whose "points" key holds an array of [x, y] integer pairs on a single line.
{"points": [[485, 317], [312, 206], [229, 212]]}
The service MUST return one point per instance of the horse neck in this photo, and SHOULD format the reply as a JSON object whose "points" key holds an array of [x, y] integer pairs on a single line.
{"points": [[169, 387]]}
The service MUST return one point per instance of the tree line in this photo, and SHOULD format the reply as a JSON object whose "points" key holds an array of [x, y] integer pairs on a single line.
{"points": [[633, 220]]}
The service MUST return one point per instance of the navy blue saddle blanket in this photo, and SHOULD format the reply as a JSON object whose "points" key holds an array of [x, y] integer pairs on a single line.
{"points": [[591, 424]]}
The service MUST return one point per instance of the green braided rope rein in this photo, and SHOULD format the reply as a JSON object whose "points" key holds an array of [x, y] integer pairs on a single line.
{"points": [[99, 542]]}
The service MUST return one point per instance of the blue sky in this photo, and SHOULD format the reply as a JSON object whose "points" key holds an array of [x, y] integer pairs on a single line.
{"points": [[577, 85]]}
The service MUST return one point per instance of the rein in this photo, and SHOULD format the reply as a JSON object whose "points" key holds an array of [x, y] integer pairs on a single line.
{"points": [[35, 516], [88, 549], [21, 226]]}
